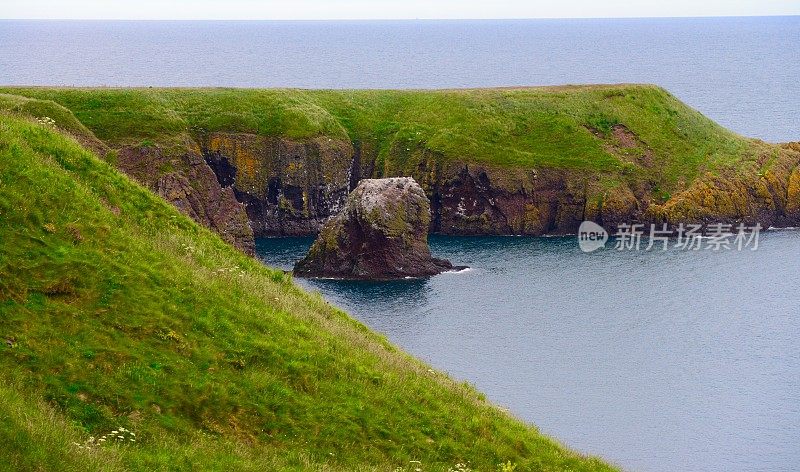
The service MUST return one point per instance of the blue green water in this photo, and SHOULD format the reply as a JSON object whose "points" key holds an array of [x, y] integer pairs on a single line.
{"points": [[657, 361]]}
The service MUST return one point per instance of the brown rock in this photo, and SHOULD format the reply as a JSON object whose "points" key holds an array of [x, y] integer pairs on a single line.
{"points": [[185, 180], [382, 233], [289, 187]]}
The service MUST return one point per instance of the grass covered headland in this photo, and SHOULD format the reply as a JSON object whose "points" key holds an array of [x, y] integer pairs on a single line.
{"points": [[133, 338], [492, 161], [524, 127]]}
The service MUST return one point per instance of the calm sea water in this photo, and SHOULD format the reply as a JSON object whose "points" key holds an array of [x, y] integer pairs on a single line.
{"points": [[657, 361], [742, 72]]}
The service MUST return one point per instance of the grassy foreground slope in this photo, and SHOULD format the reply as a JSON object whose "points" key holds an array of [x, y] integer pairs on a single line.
{"points": [[570, 127], [117, 311]]}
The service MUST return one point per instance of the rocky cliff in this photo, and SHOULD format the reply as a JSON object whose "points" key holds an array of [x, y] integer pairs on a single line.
{"points": [[770, 195], [289, 187], [184, 179], [292, 188], [493, 161]]}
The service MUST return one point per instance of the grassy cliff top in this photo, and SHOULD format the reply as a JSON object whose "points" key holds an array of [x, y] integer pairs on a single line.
{"points": [[117, 311], [613, 129]]}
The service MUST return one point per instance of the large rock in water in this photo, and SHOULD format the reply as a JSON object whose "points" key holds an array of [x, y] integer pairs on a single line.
{"points": [[382, 233]]}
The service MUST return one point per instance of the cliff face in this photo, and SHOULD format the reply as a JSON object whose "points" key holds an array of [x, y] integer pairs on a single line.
{"points": [[288, 187], [293, 187], [770, 196], [471, 199], [185, 180]]}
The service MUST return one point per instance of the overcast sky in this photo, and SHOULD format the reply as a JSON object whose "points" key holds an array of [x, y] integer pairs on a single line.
{"points": [[386, 9]]}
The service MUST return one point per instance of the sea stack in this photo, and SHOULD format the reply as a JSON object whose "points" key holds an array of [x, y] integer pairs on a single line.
{"points": [[381, 234]]}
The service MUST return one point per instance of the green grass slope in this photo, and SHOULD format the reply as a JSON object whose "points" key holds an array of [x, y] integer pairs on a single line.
{"points": [[118, 312], [562, 127]]}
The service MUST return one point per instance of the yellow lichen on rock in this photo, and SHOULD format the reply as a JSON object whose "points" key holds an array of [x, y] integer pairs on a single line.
{"points": [[793, 193], [619, 205]]}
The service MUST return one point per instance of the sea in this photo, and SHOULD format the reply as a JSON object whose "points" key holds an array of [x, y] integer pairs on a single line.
{"points": [[660, 361], [743, 72], [657, 361]]}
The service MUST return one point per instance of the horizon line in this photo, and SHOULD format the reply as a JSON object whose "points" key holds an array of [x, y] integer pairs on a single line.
{"points": [[413, 19]]}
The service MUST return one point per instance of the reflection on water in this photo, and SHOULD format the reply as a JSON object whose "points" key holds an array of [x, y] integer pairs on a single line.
{"points": [[389, 299], [657, 361]]}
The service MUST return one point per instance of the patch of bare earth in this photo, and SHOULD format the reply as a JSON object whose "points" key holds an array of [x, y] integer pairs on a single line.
{"points": [[625, 144]]}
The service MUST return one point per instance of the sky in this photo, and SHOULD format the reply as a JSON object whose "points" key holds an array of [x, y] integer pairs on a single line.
{"points": [[385, 9]]}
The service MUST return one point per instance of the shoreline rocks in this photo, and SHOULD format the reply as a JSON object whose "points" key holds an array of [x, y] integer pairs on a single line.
{"points": [[381, 234]]}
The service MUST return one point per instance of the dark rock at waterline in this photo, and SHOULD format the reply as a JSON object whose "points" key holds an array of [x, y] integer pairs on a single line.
{"points": [[382, 233]]}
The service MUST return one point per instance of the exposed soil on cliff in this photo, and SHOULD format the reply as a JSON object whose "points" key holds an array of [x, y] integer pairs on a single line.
{"points": [[188, 182]]}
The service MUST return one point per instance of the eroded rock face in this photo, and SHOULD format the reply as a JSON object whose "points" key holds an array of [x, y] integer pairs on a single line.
{"points": [[481, 200], [769, 197], [185, 180], [382, 233], [289, 187]]}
